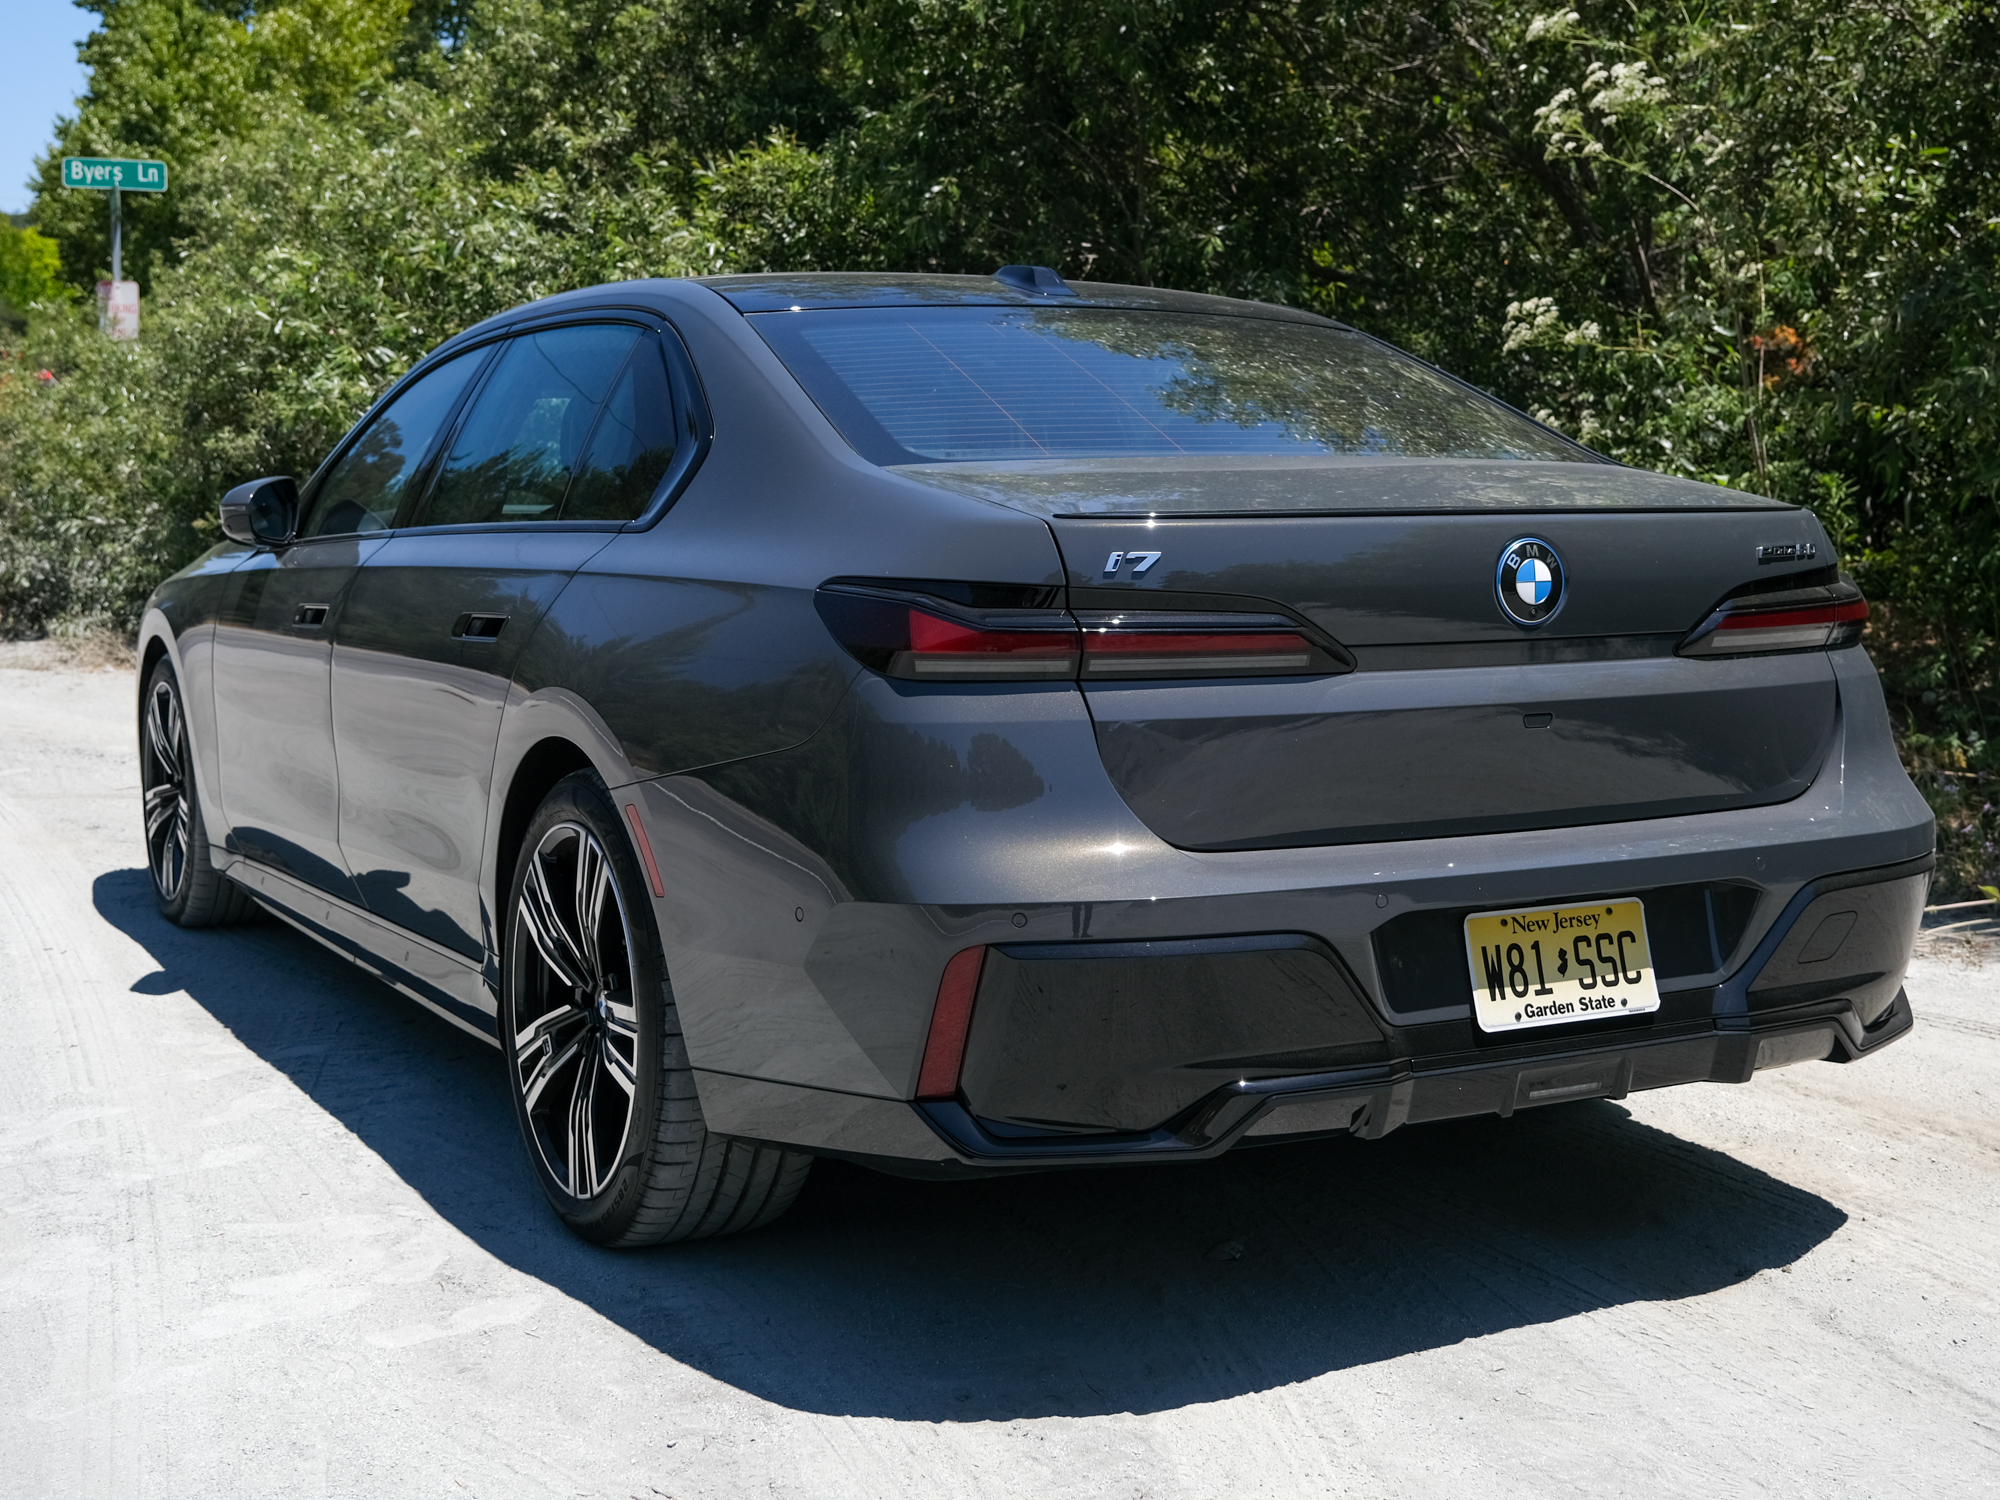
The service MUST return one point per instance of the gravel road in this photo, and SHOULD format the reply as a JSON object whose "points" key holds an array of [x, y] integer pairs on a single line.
{"points": [[265, 1230]]}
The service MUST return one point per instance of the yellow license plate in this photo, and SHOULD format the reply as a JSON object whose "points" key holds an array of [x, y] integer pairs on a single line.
{"points": [[1550, 965]]}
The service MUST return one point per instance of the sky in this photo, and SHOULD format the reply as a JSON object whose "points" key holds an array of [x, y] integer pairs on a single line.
{"points": [[39, 79]]}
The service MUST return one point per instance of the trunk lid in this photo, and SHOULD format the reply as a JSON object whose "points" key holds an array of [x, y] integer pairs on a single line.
{"points": [[1457, 719]]}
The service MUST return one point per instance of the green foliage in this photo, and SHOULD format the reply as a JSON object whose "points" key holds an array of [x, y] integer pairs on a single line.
{"points": [[178, 80], [1756, 243], [30, 272], [321, 259]]}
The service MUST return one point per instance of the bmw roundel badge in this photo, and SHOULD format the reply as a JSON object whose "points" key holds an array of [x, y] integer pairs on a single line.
{"points": [[1531, 582]]}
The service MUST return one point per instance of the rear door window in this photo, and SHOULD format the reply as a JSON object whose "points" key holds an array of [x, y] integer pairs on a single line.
{"points": [[519, 447], [633, 445], [375, 474]]}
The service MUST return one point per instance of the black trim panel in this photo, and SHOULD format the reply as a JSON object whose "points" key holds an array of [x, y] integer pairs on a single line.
{"points": [[440, 980]]}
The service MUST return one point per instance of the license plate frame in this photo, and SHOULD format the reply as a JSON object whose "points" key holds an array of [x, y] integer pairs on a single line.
{"points": [[1520, 984]]}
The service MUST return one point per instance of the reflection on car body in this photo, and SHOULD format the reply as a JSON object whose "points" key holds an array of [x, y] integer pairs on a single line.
{"points": [[966, 724]]}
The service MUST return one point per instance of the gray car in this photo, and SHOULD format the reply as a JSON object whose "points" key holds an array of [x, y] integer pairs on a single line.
{"points": [[966, 725]]}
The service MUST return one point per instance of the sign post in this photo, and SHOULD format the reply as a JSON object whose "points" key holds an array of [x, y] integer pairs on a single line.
{"points": [[117, 299]]}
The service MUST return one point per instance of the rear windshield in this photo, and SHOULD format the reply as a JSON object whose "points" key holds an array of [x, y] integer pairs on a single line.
{"points": [[984, 384]]}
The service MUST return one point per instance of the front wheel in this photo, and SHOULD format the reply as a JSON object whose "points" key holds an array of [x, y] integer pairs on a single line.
{"points": [[187, 888], [596, 1064]]}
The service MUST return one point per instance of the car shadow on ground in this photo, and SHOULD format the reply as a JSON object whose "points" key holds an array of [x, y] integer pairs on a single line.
{"points": [[1069, 1294]]}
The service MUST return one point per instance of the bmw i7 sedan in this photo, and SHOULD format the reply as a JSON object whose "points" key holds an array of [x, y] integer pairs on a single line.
{"points": [[968, 724]]}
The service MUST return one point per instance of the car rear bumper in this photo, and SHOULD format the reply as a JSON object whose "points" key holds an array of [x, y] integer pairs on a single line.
{"points": [[1763, 1017], [1371, 1102], [806, 938], [947, 1140]]}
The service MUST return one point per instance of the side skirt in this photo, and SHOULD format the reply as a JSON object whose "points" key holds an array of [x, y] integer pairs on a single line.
{"points": [[434, 977]]}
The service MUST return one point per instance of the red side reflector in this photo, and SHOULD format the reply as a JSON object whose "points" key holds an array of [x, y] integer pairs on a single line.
{"points": [[951, 1020], [645, 848]]}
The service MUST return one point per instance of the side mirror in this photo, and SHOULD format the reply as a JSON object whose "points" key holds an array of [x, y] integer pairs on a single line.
{"points": [[262, 513]]}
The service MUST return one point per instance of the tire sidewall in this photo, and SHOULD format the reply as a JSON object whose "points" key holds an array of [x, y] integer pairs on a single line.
{"points": [[581, 798]]}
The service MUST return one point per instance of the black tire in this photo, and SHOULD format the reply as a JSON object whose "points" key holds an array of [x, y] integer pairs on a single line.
{"points": [[601, 1085], [187, 887]]}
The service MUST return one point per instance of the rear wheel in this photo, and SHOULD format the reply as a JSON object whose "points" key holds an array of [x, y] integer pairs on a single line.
{"points": [[596, 1064], [187, 888]]}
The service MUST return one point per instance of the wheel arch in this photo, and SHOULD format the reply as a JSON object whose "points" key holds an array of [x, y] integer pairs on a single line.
{"points": [[152, 651], [156, 640], [535, 775]]}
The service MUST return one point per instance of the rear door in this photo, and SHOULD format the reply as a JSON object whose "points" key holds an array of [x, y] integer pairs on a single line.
{"points": [[560, 447]]}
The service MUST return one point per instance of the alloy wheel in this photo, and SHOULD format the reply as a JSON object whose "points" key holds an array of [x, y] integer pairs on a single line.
{"points": [[576, 1028], [166, 789]]}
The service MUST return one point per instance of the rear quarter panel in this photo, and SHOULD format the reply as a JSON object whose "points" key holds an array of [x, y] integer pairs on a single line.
{"points": [[696, 641]]}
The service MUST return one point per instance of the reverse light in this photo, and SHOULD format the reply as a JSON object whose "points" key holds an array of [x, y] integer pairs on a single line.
{"points": [[1810, 619]]}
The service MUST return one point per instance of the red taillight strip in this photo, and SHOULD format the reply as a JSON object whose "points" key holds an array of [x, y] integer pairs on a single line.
{"points": [[940, 647], [1741, 628], [951, 1022], [1778, 619], [937, 641]]}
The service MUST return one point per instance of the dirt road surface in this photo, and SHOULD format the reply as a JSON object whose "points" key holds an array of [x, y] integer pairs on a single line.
{"points": [[265, 1230]]}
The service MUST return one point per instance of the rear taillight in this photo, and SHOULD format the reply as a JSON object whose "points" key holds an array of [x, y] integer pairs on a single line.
{"points": [[1149, 643], [929, 639], [902, 639], [1810, 619]]}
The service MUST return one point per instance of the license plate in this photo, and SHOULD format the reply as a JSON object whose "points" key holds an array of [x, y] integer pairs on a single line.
{"points": [[1549, 965]]}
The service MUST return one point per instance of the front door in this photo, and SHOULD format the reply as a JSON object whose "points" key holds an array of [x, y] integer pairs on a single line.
{"points": [[273, 707], [274, 633]]}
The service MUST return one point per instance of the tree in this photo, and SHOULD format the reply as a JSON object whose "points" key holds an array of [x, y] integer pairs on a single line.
{"points": [[30, 272]]}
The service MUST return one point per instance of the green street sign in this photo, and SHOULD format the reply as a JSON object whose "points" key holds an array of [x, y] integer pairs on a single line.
{"points": [[105, 173]]}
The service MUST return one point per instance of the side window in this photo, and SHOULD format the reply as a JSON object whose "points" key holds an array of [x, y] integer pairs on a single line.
{"points": [[372, 477], [632, 446], [516, 450]]}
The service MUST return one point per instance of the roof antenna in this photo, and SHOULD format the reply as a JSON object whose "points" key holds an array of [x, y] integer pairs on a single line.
{"points": [[1038, 281]]}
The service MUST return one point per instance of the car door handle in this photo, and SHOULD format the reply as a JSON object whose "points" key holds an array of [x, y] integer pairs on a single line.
{"points": [[309, 616], [478, 627]]}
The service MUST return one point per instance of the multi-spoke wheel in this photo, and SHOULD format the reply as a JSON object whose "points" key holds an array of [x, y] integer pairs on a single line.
{"points": [[596, 1065], [186, 886], [163, 753], [576, 1031]]}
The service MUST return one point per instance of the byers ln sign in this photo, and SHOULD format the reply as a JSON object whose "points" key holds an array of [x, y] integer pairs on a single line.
{"points": [[117, 299], [106, 173]]}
